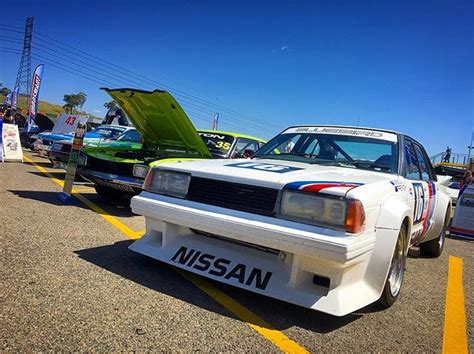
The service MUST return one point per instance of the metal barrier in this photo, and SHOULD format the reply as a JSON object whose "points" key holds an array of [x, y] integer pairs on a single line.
{"points": [[456, 158]]}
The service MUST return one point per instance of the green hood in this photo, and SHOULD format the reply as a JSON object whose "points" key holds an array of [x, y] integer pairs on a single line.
{"points": [[160, 120]]}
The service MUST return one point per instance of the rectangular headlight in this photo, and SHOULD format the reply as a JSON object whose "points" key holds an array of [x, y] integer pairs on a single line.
{"points": [[166, 182], [338, 213], [140, 171]]}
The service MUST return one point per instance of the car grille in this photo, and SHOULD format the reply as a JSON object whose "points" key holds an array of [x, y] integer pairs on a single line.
{"points": [[111, 167], [243, 197], [66, 148]]}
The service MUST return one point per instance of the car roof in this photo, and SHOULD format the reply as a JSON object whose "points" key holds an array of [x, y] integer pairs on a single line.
{"points": [[235, 135]]}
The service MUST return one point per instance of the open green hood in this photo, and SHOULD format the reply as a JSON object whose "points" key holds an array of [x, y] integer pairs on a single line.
{"points": [[160, 120]]}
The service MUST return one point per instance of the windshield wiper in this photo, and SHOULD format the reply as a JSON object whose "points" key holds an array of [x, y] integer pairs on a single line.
{"points": [[370, 165]]}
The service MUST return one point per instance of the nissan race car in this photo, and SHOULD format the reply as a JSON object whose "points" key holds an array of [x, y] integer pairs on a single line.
{"points": [[321, 217], [168, 135]]}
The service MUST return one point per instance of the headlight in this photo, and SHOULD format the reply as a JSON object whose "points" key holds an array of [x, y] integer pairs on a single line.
{"points": [[166, 182], [338, 213], [140, 171]]}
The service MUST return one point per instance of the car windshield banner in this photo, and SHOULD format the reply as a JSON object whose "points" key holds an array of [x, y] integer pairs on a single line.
{"points": [[35, 88], [15, 93]]}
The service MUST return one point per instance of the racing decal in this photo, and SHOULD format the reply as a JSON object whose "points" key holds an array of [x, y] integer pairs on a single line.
{"points": [[268, 167], [313, 186], [424, 205], [221, 267], [398, 185], [345, 131]]}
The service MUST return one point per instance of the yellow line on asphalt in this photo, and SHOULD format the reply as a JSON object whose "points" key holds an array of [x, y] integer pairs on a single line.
{"points": [[129, 232], [278, 338], [252, 320], [455, 338]]}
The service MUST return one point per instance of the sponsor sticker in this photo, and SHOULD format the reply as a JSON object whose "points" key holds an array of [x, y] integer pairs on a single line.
{"points": [[344, 131], [268, 167], [223, 268]]}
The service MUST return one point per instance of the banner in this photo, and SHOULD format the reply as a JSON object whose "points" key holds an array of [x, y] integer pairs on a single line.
{"points": [[72, 163], [215, 121], [67, 123], [35, 88], [15, 93], [8, 99], [1, 139], [11, 143], [463, 220]]}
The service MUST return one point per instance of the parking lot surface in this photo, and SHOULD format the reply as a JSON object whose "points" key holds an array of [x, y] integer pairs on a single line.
{"points": [[69, 283]]}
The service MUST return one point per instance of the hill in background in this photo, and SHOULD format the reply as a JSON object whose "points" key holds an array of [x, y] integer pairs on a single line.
{"points": [[50, 109]]}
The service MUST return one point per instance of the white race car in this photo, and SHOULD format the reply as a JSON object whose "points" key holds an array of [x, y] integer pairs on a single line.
{"points": [[321, 216]]}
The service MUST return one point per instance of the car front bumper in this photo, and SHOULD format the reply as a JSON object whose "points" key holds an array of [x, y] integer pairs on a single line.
{"points": [[310, 266], [123, 183]]}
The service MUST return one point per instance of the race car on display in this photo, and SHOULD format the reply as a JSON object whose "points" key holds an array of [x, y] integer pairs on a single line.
{"points": [[103, 136], [320, 216], [168, 135], [46, 140]]}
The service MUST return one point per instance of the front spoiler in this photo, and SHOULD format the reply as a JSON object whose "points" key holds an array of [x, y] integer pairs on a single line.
{"points": [[322, 269], [123, 183]]}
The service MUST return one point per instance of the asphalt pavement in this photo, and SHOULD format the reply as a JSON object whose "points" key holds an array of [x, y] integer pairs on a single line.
{"points": [[69, 283]]}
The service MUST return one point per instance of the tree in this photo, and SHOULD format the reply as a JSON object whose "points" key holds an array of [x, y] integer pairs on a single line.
{"points": [[73, 101], [110, 105], [5, 91]]}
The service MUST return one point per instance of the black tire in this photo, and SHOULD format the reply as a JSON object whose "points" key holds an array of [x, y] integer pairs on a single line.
{"points": [[396, 272], [109, 194], [434, 248]]}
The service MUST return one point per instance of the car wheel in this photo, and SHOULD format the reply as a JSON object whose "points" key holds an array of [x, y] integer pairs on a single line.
{"points": [[396, 272], [108, 193], [434, 248]]}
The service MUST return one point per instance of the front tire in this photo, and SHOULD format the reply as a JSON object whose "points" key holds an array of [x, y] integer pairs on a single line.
{"points": [[396, 272], [107, 193], [434, 248]]}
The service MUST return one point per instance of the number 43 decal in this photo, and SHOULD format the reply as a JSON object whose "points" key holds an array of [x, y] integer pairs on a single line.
{"points": [[70, 120]]}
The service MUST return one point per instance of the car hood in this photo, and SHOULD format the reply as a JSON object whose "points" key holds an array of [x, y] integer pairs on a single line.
{"points": [[160, 120], [55, 136], [282, 174]]}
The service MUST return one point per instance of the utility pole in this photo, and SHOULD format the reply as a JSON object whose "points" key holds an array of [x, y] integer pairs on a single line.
{"points": [[23, 78], [470, 147]]}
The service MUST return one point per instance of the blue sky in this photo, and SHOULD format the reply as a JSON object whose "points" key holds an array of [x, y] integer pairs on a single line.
{"points": [[402, 65]]}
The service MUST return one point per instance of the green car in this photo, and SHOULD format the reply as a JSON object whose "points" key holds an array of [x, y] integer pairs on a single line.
{"points": [[168, 135]]}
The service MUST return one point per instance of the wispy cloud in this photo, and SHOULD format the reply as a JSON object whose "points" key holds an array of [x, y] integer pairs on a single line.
{"points": [[97, 111], [282, 48]]}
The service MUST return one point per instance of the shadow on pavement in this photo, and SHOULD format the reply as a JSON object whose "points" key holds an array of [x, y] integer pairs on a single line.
{"points": [[57, 174], [118, 209], [163, 278]]}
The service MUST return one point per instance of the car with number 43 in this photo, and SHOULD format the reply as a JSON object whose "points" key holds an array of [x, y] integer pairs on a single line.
{"points": [[320, 216]]}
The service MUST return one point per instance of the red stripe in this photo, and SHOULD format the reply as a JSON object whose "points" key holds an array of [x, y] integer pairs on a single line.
{"points": [[318, 187], [459, 229]]}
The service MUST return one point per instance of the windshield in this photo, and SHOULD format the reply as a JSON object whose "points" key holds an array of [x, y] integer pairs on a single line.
{"points": [[338, 150], [218, 144], [131, 135], [109, 132]]}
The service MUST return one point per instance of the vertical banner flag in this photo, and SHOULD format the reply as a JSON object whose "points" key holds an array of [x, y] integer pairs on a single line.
{"points": [[1, 139], [77, 143], [215, 121], [15, 93], [35, 87], [8, 99]]}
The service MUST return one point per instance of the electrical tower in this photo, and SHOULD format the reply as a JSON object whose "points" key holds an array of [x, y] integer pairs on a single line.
{"points": [[23, 78]]}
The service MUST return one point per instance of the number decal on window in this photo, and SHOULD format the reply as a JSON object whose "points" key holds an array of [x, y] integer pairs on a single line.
{"points": [[70, 120], [223, 145]]}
